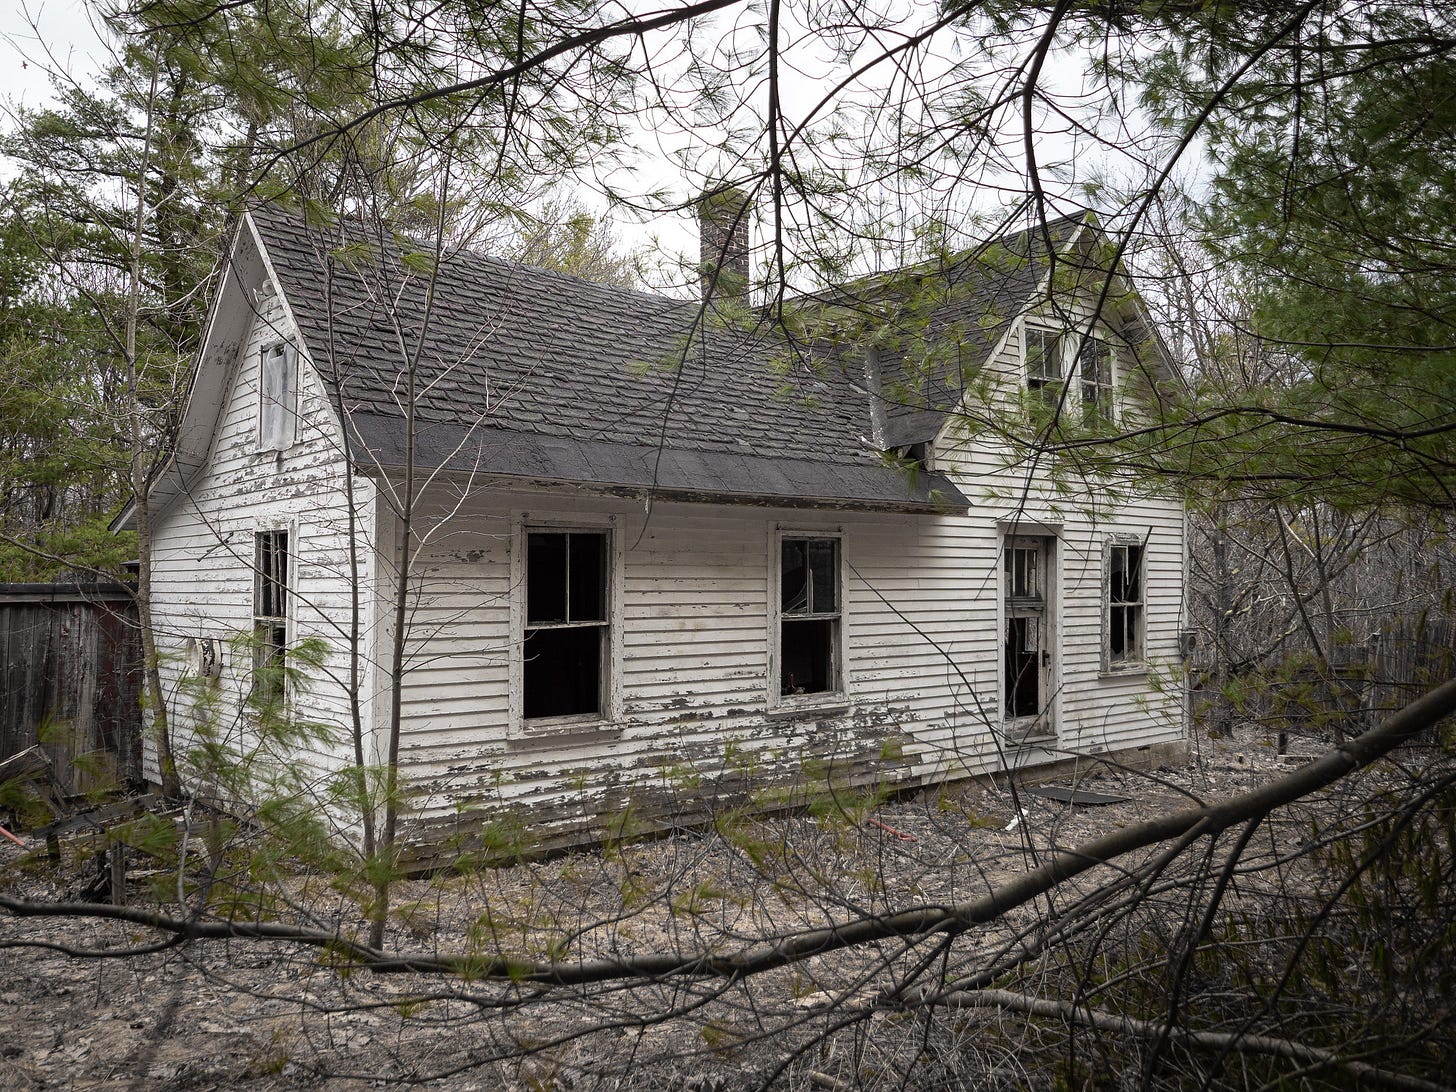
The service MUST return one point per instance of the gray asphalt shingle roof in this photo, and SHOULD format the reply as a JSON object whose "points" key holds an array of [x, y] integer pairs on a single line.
{"points": [[937, 323], [529, 373]]}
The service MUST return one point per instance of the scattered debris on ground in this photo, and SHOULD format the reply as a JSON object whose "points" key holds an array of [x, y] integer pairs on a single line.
{"points": [[97, 1004]]}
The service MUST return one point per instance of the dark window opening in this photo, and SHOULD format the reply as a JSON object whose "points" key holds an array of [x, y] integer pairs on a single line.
{"points": [[808, 656], [270, 613], [809, 615], [565, 643], [563, 672], [1125, 603], [1023, 667]]}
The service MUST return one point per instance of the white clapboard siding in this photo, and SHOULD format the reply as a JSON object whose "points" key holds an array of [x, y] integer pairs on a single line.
{"points": [[203, 554], [921, 630], [691, 616]]}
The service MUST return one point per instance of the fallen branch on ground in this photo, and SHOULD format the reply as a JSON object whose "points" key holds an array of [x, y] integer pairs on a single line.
{"points": [[1187, 825]]}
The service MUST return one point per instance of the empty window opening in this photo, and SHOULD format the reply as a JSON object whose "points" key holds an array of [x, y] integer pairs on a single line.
{"points": [[270, 613], [1025, 650], [809, 615], [1125, 603], [1023, 667], [565, 644]]}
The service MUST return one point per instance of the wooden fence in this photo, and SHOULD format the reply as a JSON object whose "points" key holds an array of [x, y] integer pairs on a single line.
{"points": [[1404, 658], [70, 680], [1409, 657]]}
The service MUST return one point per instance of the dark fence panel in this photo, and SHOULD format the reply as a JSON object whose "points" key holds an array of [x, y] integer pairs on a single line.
{"points": [[1409, 657], [70, 675], [1401, 660]]}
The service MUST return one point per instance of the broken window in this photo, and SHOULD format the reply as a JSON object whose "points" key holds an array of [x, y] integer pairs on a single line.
{"points": [[1095, 361], [809, 616], [1043, 349], [1026, 648], [1125, 603], [270, 614], [277, 397], [566, 638]]}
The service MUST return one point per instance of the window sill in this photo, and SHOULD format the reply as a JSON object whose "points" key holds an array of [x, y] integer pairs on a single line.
{"points": [[815, 708], [1121, 671], [551, 730]]}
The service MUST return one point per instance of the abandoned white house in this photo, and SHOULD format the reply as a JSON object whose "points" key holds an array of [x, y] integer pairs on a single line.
{"points": [[651, 545]]}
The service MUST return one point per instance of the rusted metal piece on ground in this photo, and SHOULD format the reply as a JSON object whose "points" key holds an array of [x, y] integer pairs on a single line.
{"points": [[900, 834]]}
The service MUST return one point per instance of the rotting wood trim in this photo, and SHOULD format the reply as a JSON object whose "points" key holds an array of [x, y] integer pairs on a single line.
{"points": [[809, 711], [67, 592], [485, 482], [540, 734]]}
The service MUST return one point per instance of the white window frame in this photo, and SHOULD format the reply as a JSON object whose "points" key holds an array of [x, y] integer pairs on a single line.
{"points": [[1071, 352], [520, 727], [1036, 380], [838, 693], [277, 396], [1103, 386], [1135, 661], [264, 649]]}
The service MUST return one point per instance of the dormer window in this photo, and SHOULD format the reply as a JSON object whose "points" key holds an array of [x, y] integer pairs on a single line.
{"points": [[1095, 362], [277, 397], [1044, 364], [1050, 364]]}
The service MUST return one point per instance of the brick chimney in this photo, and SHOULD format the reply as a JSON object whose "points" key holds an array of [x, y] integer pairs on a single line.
{"points": [[723, 217]]}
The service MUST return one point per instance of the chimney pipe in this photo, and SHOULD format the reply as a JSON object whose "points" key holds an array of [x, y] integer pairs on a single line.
{"points": [[723, 245]]}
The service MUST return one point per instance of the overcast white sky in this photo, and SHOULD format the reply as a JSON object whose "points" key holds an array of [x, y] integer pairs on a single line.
{"points": [[67, 40], [65, 31]]}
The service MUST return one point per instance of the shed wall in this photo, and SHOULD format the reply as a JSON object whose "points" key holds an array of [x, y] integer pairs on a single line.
{"points": [[71, 660]]}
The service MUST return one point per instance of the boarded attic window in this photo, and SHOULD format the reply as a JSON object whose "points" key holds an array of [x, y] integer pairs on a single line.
{"points": [[567, 630], [809, 616], [277, 397]]}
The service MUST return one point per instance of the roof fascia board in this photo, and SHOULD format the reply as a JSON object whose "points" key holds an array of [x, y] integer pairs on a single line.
{"points": [[643, 494], [194, 422]]}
